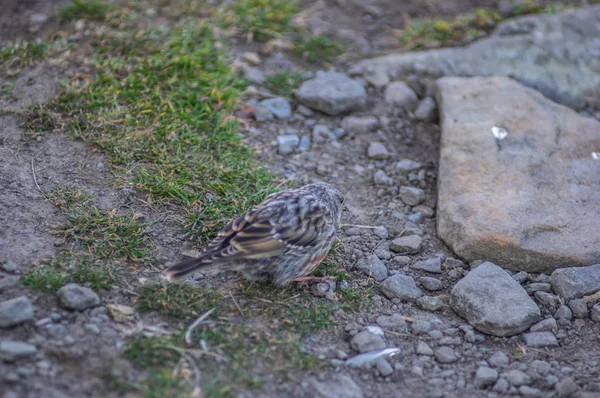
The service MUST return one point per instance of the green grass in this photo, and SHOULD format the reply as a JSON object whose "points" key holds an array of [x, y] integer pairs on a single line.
{"points": [[240, 352], [284, 82], [158, 103], [258, 19], [85, 9], [108, 234], [6, 91], [72, 267], [318, 49], [459, 30], [67, 197], [180, 301], [162, 101], [17, 56]]}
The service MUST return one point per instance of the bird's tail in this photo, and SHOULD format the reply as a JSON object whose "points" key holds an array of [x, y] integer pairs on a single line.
{"points": [[185, 268]]}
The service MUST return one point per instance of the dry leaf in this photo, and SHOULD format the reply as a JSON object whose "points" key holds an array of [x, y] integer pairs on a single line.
{"points": [[121, 313]]}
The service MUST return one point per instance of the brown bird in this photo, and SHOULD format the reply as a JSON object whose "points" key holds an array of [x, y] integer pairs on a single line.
{"points": [[283, 239]]}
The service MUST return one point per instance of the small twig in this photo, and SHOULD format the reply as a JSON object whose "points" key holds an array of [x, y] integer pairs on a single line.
{"points": [[192, 363], [35, 178], [236, 304], [188, 332], [358, 226]]}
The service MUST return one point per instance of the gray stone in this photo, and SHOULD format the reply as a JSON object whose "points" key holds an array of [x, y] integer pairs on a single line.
{"points": [[424, 349], [433, 265], [521, 277], [547, 325], [304, 144], [498, 359], [493, 302], [9, 282], [478, 214], [426, 211], [332, 93], [421, 326], [12, 351], [431, 284], [535, 287], [279, 106], [401, 260], [540, 339], [372, 266], [326, 289], [262, 114], [427, 110], [78, 298], [384, 367], [393, 322], [400, 286], [38, 18], [381, 232], [399, 95], [566, 387], [563, 312], [15, 311], [322, 133], [252, 58], [10, 266], [359, 124], [405, 166], [287, 143], [366, 341], [304, 111], [406, 244], [377, 78], [555, 54], [530, 392], [254, 75], [412, 196], [338, 385], [445, 354], [429, 303], [502, 385], [417, 218], [518, 378], [485, 377], [383, 254], [542, 367], [594, 313], [576, 282], [546, 298], [578, 307], [377, 151]]}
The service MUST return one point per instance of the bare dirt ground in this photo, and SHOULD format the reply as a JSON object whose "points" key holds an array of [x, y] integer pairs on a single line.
{"points": [[80, 354]]}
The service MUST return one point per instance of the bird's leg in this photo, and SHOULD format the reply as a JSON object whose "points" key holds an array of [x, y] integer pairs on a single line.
{"points": [[315, 279]]}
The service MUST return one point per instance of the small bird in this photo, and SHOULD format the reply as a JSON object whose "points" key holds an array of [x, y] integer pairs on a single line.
{"points": [[283, 239]]}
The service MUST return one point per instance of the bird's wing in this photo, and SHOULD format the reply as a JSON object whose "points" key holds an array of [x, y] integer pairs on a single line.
{"points": [[270, 230]]}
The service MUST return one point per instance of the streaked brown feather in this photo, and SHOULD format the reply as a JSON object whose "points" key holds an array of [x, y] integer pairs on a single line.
{"points": [[288, 222]]}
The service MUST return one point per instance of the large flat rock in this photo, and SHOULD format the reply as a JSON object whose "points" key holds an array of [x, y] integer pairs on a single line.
{"points": [[559, 55], [493, 302], [528, 202]]}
